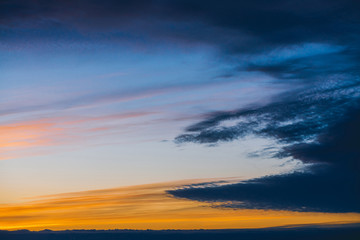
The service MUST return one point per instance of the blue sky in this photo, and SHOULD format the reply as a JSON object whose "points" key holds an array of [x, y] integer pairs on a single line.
{"points": [[137, 102], [103, 94]]}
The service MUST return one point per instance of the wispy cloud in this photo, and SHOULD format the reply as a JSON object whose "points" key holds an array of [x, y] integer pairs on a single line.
{"points": [[17, 137], [26, 138]]}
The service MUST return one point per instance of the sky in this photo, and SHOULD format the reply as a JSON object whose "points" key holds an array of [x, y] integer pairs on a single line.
{"points": [[179, 114]]}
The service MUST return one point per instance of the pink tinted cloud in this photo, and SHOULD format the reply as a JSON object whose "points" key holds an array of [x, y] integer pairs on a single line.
{"points": [[26, 138]]}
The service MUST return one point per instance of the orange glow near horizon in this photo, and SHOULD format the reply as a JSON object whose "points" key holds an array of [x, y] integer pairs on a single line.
{"points": [[146, 207]]}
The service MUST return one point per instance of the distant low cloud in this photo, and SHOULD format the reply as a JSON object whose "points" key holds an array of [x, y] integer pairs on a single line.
{"points": [[141, 206]]}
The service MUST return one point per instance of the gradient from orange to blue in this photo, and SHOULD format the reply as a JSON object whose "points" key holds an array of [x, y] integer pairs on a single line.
{"points": [[92, 96], [147, 207]]}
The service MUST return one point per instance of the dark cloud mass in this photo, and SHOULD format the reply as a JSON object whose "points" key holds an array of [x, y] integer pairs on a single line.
{"points": [[313, 45], [317, 122], [331, 184], [233, 26]]}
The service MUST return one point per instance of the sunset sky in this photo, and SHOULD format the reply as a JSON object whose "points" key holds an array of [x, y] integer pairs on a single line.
{"points": [[179, 114]]}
